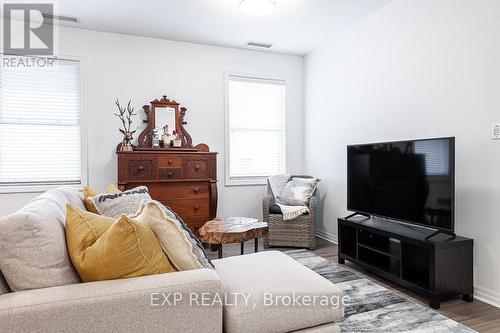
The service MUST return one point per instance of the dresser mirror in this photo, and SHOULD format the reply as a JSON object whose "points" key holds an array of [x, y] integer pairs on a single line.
{"points": [[164, 112], [165, 117]]}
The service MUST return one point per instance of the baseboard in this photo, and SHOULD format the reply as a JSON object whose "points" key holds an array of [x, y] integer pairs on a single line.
{"points": [[487, 296], [327, 236]]}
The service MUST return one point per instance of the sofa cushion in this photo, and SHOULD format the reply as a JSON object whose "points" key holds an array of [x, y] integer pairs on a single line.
{"points": [[33, 245], [127, 202], [104, 248], [89, 192], [271, 279], [182, 248], [117, 306]]}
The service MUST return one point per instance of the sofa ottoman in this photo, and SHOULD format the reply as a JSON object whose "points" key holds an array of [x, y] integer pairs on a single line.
{"points": [[271, 292]]}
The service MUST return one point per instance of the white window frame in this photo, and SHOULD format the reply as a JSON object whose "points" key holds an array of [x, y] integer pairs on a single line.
{"points": [[257, 180], [39, 188]]}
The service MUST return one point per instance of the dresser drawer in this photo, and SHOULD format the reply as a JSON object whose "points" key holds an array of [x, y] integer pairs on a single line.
{"points": [[197, 169], [181, 190], [140, 169], [170, 162], [169, 173], [187, 207]]}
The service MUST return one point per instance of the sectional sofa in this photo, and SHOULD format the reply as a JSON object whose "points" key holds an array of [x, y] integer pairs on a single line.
{"points": [[41, 292]]}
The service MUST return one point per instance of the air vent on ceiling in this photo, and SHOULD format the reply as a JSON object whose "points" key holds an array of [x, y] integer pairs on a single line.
{"points": [[258, 44], [60, 18]]}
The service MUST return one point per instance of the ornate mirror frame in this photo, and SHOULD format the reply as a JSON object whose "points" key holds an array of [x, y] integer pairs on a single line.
{"points": [[145, 139]]}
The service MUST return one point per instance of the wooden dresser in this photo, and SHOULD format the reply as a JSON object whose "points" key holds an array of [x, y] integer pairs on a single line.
{"points": [[183, 179]]}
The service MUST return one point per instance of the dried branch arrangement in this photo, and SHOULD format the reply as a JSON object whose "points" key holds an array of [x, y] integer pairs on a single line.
{"points": [[125, 115]]}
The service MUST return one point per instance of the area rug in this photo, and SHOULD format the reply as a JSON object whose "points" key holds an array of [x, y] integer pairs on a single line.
{"points": [[374, 308]]}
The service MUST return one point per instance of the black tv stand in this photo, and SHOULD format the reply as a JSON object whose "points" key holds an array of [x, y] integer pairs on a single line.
{"points": [[437, 232], [438, 269], [356, 213]]}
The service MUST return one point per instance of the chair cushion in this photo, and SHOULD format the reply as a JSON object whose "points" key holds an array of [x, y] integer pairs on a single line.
{"points": [[182, 248], [33, 244], [89, 192], [273, 275], [123, 203], [104, 248], [275, 209]]}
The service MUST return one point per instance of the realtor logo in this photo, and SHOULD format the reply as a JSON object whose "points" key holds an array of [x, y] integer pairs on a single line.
{"points": [[28, 36]]}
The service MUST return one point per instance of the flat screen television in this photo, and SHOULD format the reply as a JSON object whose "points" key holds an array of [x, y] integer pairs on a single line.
{"points": [[410, 181]]}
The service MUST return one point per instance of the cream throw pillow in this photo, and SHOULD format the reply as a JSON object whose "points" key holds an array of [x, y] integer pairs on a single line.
{"points": [[182, 248], [298, 191]]}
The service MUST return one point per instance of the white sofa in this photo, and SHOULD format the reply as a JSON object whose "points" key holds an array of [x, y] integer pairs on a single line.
{"points": [[145, 304]]}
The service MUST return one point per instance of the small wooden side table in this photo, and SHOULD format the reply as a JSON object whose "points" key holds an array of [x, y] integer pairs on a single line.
{"points": [[232, 230]]}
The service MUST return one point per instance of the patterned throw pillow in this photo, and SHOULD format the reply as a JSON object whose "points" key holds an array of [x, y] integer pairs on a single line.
{"points": [[104, 248], [89, 192], [183, 249], [298, 191], [123, 203]]}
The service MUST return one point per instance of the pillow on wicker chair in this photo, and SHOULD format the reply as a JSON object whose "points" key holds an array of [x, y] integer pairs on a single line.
{"points": [[298, 191]]}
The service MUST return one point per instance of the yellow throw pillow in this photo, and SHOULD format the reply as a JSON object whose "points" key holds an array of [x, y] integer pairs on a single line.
{"points": [[104, 248], [182, 248], [89, 192]]}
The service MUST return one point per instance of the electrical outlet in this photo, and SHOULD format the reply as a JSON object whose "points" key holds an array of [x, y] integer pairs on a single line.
{"points": [[495, 131]]}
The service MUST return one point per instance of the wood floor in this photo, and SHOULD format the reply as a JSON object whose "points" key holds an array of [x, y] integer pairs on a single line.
{"points": [[476, 315]]}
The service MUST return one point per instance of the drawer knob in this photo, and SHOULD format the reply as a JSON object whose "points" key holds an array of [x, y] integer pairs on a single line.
{"points": [[196, 207], [169, 161], [196, 190], [169, 174], [141, 167], [197, 167]]}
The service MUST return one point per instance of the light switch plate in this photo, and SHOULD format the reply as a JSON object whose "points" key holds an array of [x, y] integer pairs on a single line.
{"points": [[495, 131]]}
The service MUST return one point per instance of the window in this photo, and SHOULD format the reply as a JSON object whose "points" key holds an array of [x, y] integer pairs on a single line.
{"points": [[255, 129], [40, 126]]}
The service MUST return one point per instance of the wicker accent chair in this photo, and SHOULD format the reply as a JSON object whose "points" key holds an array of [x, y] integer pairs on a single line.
{"points": [[299, 232]]}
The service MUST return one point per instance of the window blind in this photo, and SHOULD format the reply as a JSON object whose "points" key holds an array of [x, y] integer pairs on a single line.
{"points": [[256, 127], [40, 114]]}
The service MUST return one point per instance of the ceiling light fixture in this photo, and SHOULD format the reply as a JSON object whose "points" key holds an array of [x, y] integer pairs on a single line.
{"points": [[257, 7]]}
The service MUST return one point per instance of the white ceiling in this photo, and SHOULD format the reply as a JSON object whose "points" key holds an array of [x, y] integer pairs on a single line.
{"points": [[295, 27]]}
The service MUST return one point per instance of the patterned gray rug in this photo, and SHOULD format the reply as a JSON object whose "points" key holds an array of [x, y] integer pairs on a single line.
{"points": [[374, 308]]}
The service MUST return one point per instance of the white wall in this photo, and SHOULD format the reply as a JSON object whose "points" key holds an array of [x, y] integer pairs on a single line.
{"points": [[414, 69], [142, 69]]}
